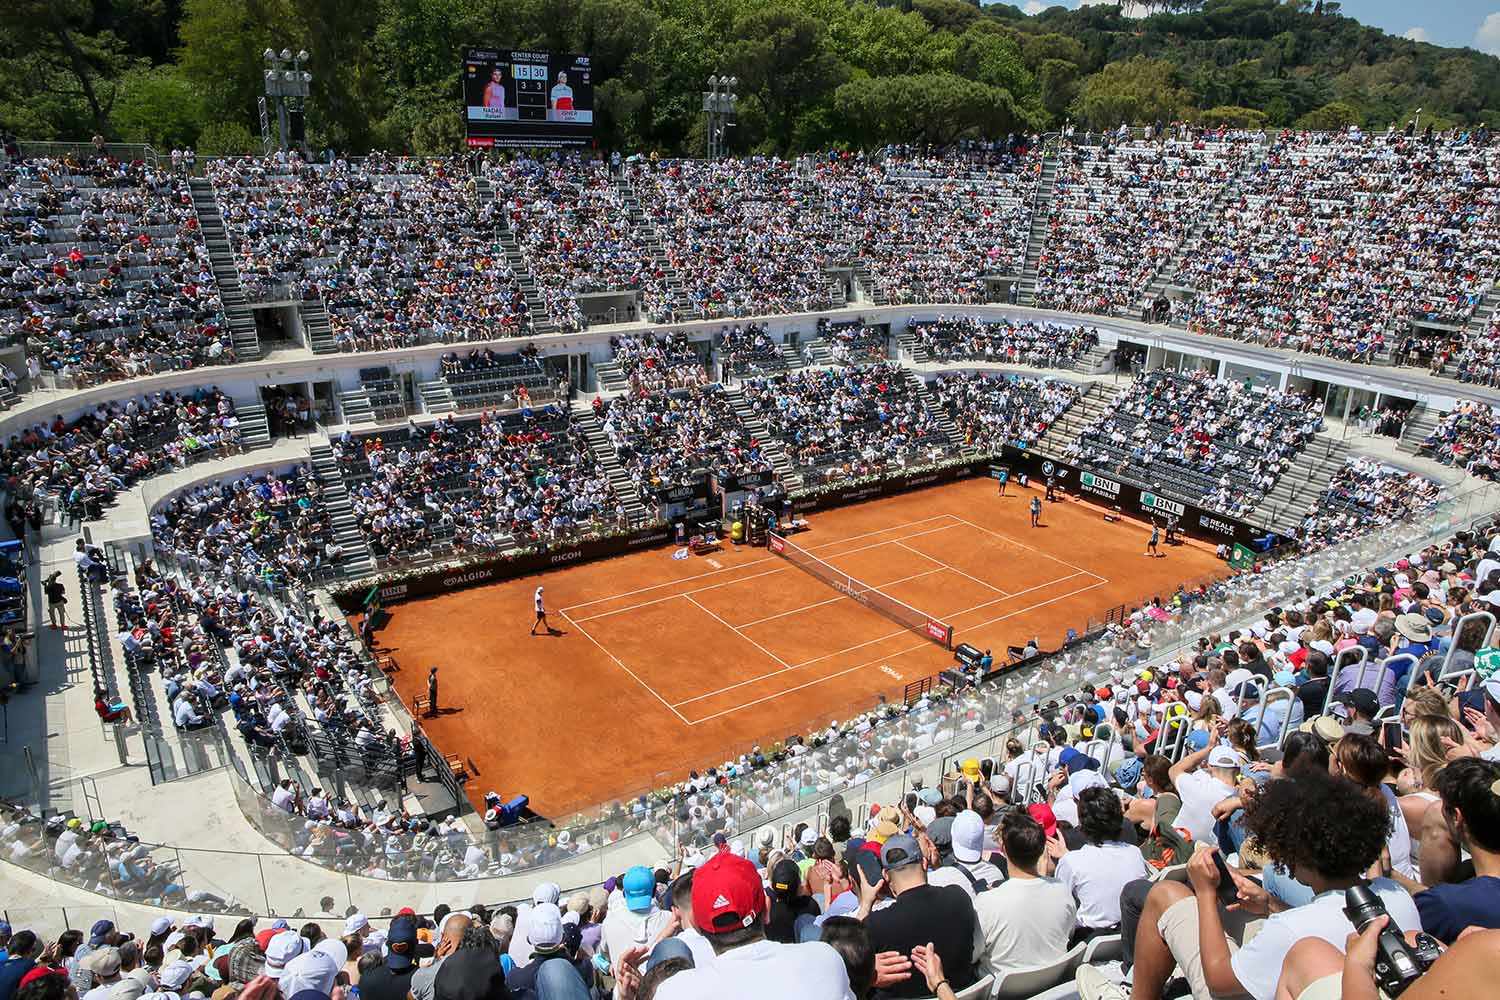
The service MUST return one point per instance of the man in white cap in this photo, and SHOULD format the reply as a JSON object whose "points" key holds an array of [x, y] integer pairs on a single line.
{"points": [[544, 931], [281, 950], [968, 834], [541, 615], [104, 965], [1201, 790], [520, 946], [314, 970], [357, 923], [174, 975]]}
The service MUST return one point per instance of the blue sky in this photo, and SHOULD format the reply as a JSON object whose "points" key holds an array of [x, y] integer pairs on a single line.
{"points": [[1443, 22]]}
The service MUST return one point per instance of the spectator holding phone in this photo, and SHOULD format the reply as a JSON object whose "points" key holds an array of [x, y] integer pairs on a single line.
{"points": [[1327, 831]]}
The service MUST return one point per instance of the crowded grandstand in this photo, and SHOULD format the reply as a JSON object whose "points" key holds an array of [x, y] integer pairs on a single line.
{"points": [[261, 409]]}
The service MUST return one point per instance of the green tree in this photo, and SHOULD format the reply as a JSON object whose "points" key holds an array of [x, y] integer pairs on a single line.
{"points": [[994, 59], [222, 42], [1234, 117], [926, 108], [1058, 80], [882, 41], [53, 53], [158, 107], [1137, 91], [226, 139], [350, 93], [782, 58], [1330, 117], [946, 15]]}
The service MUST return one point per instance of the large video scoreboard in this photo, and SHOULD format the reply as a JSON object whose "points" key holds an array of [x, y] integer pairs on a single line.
{"points": [[528, 98]]}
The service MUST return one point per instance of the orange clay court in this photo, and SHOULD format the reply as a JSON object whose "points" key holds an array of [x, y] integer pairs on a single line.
{"points": [[669, 665]]}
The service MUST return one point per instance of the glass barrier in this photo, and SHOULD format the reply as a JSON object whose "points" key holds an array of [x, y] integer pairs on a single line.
{"points": [[870, 755]]}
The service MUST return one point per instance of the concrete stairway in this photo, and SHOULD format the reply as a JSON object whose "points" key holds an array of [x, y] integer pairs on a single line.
{"points": [[1474, 329], [911, 349], [682, 302], [316, 327], [226, 275], [1036, 238], [1096, 399], [1422, 421], [610, 377], [930, 401], [636, 507], [1095, 361], [817, 353], [354, 404], [1300, 487], [770, 447], [541, 318], [792, 357], [436, 398], [869, 290], [1483, 312], [357, 558], [1209, 214], [255, 428]]}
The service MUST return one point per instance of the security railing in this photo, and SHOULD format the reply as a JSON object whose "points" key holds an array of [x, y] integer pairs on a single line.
{"points": [[871, 754]]}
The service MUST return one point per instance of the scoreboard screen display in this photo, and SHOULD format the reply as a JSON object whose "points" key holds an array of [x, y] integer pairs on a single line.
{"points": [[528, 98]]}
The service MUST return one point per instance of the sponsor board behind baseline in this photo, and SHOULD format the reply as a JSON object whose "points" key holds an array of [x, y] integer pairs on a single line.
{"points": [[839, 496], [1207, 525], [427, 584], [1136, 502]]}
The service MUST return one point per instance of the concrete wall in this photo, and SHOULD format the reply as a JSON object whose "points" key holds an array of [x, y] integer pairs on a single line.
{"points": [[1274, 367]]}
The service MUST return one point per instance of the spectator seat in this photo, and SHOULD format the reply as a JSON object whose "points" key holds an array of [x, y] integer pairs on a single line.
{"points": [[1107, 948], [1022, 984]]}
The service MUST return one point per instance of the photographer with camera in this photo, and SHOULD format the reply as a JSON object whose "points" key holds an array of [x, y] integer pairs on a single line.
{"points": [[1314, 969], [1326, 831], [57, 600]]}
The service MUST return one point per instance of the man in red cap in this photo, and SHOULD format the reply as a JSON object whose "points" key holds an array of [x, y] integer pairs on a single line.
{"points": [[729, 908]]}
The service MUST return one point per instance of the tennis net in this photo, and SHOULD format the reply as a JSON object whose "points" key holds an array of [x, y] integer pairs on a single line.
{"points": [[900, 612]]}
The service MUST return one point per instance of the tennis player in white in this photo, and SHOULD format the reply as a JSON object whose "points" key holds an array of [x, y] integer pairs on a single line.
{"points": [[541, 615]]}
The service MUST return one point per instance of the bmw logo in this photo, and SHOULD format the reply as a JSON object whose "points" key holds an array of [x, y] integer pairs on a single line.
{"points": [[1046, 468]]}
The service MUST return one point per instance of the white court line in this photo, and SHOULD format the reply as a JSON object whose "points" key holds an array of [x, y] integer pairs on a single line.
{"points": [[737, 632], [953, 569], [902, 652], [947, 617], [755, 562], [623, 667], [1028, 548], [753, 576], [834, 600], [850, 649], [976, 607]]}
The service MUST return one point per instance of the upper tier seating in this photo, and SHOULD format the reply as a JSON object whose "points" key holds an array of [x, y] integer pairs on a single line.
{"points": [[103, 273]]}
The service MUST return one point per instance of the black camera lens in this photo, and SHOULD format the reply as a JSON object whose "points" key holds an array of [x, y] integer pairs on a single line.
{"points": [[1361, 905]]}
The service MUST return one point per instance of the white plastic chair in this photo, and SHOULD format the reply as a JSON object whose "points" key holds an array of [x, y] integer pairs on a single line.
{"points": [[981, 988], [1022, 984], [1106, 948]]}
